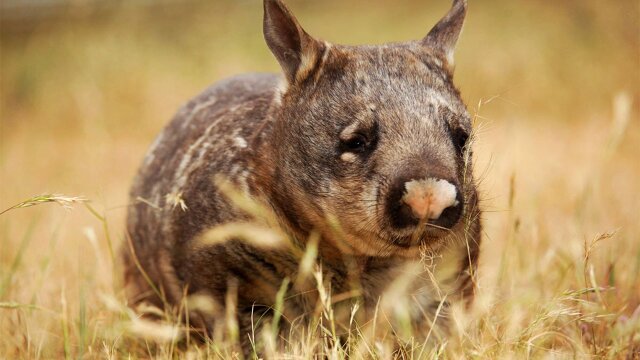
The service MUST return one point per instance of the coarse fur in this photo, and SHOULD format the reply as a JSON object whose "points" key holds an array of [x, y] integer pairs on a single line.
{"points": [[288, 143]]}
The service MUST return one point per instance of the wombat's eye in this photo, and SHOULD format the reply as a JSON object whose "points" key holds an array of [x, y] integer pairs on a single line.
{"points": [[356, 143], [460, 138]]}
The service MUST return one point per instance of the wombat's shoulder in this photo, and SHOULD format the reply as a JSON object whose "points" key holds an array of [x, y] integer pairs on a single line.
{"points": [[236, 89], [225, 97]]}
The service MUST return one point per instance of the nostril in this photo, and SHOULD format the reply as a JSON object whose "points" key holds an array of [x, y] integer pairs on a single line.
{"points": [[449, 216]]}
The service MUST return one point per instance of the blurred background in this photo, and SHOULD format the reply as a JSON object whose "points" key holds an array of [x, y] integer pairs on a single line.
{"points": [[85, 86]]}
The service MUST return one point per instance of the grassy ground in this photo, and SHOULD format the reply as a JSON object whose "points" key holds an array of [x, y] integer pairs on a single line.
{"points": [[555, 87]]}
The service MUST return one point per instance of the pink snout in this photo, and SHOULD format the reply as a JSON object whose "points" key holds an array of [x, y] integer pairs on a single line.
{"points": [[428, 198]]}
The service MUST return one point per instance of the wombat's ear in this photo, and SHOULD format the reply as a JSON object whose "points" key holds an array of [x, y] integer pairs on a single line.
{"points": [[444, 35], [295, 50]]}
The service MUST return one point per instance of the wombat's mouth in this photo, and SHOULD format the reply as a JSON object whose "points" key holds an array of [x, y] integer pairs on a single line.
{"points": [[429, 234]]}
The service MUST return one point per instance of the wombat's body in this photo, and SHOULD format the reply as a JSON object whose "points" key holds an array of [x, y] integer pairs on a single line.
{"points": [[175, 193], [372, 136]]}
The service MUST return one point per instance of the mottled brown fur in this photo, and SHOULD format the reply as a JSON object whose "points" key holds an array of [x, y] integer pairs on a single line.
{"points": [[291, 151]]}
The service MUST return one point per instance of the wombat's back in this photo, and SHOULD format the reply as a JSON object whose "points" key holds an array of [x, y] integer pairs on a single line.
{"points": [[173, 196]]}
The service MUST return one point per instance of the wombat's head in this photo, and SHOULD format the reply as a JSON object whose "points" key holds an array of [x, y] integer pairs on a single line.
{"points": [[374, 137]]}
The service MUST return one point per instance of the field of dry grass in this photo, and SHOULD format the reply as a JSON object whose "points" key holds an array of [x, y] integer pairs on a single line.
{"points": [[555, 87]]}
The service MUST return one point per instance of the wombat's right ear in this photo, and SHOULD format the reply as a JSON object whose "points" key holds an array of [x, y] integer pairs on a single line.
{"points": [[444, 35], [296, 51]]}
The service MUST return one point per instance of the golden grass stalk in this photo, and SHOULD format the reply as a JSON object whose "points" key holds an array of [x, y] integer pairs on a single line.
{"points": [[257, 235], [66, 202]]}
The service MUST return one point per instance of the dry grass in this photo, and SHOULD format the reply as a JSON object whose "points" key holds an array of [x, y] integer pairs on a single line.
{"points": [[557, 154]]}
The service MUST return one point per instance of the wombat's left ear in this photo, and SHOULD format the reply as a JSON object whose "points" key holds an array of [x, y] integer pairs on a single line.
{"points": [[296, 51], [444, 35]]}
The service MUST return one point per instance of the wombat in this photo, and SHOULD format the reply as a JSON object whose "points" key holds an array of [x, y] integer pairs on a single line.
{"points": [[367, 147]]}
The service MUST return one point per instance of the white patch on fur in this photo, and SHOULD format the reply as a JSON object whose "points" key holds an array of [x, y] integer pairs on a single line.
{"points": [[196, 110], [347, 133], [450, 58], [306, 63], [196, 151], [348, 157], [235, 170], [429, 197], [327, 47], [242, 179], [281, 89], [240, 142]]}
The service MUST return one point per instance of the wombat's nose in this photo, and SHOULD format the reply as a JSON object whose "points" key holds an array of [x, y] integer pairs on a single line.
{"points": [[429, 197], [435, 200]]}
